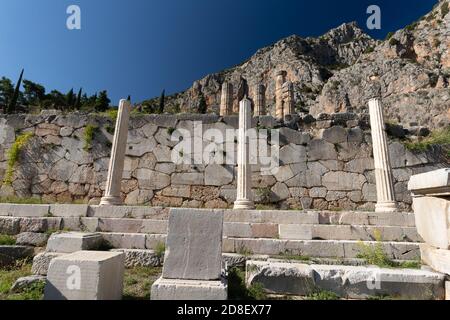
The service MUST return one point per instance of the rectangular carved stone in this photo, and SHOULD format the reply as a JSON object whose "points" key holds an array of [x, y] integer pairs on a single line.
{"points": [[194, 245], [73, 241], [86, 275]]}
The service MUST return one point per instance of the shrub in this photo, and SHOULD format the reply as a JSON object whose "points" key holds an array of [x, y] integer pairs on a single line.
{"points": [[88, 136], [393, 42], [323, 295], [389, 35], [375, 254], [444, 9], [237, 290], [369, 50], [439, 137], [160, 249], [13, 155], [6, 240]]}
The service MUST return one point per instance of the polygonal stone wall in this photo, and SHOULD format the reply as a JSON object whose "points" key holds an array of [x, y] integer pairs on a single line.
{"points": [[326, 163]]}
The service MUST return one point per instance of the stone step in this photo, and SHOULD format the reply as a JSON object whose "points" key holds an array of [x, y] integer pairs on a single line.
{"points": [[349, 282], [400, 219], [320, 248], [246, 246], [285, 231]]}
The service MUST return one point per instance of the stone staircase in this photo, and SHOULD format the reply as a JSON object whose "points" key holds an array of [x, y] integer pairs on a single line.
{"points": [[321, 234], [314, 249]]}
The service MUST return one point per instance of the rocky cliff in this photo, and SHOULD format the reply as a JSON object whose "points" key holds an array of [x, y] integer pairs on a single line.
{"points": [[335, 72]]}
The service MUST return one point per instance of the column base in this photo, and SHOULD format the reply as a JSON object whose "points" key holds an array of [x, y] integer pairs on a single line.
{"points": [[111, 201], [386, 207], [244, 205]]}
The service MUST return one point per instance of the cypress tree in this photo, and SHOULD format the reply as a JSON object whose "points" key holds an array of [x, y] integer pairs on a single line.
{"points": [[162, 101], [12, 104], [78, 101]]}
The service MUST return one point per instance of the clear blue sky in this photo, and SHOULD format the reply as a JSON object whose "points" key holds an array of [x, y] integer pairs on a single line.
{"points": [[139, 47]]}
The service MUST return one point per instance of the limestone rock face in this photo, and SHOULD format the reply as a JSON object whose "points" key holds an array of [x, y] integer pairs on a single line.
{"points": [[333, 73]]}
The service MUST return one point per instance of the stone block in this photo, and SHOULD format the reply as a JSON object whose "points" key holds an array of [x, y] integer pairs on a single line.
{"points": [[32, 239], [69, 210], [42, 261], [431, 183], [125, 240], [9, 255], [24, 210], [351, 282], [140, 258], [433, 220], [33, 225], [24, 283], [9, 225], [86, 275], [438, 259], [176, 289], [194, 245], [73, 241], [295, 232], [447, 290]]}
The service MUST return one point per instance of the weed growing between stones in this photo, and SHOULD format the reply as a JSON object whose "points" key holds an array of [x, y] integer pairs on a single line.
{"points": [[88, 136], [287, 255], [440, 137], [9, 275], [375, 254], [138, 282], [323, 295], [160, 249], [17, 200], [237, 290], [6, 240], [243, 250], [13, 155]]}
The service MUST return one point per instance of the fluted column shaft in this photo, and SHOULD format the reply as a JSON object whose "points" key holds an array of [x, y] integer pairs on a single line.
{"points": [[383, 171], [279, 108], [116, 163], [244, 199], [260, 100]]}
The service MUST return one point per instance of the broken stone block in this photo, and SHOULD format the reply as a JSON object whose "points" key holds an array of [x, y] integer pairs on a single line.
{"points": [[9, 255], [74, 241], [177, 289], [86, 275], [26, 282], [42, 261]]}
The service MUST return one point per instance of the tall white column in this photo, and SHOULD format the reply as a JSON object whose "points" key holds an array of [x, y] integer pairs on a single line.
{"points": [[226, 101], [116, 163], [383, 172], [244, 198], [260, 100]]}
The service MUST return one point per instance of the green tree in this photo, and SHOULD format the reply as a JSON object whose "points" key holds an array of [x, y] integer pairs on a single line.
{"points": [[162, 99], [6, 91], [13, 102], [70, 99], [102, 101], [78, 101], [33, 93], [202, 106], [57, 99]]}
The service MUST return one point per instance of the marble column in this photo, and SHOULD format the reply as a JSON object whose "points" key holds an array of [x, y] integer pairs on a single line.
{"points": [[383, 172], [226, 102], [288, 98], [244, 198], [116, 163], [279, 109], [260, 100]]}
